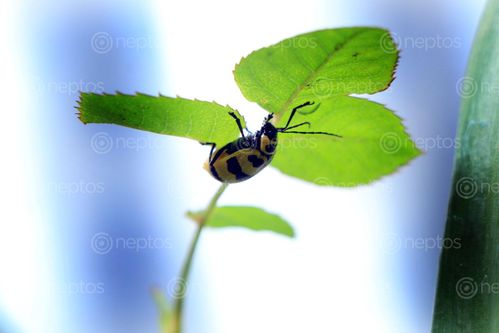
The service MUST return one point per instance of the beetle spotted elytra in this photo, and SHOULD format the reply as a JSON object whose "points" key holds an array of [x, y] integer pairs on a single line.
{"points": [[244, 157]]}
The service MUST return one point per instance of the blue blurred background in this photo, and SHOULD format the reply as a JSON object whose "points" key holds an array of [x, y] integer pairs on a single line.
{"points": [[93, 216]]}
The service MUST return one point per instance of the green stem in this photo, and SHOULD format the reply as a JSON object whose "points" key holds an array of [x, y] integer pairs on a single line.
{"points": [[184, 275]]}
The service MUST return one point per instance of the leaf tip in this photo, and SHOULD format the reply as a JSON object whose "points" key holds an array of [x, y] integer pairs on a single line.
{"points": [[80, 106], [195, 216]]}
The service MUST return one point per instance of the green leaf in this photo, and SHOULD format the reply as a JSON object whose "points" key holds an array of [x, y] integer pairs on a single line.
{"points": [[467, 297], [165, 310], [324, 67], [246, 217], [194, 119], [316, 66], [373, 144]]}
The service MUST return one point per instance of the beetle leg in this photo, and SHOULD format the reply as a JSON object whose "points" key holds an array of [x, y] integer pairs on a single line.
{"points": [[294, 126], [296, 108], [238, 122], [213, 145]]}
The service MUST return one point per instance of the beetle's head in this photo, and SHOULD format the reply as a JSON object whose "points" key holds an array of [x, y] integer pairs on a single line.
{"points": [[268, 136]]}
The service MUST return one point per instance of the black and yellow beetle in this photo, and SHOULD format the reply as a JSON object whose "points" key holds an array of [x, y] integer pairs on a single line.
{"points": [[244, 157]]}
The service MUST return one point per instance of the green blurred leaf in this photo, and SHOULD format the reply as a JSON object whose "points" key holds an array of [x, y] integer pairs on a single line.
{"points": [[317, 66], [246, 217], [467, 297], [194, 119], [373, 144], [165, 310]]}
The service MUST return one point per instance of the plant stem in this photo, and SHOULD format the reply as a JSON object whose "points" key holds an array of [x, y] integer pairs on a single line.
{"points": [[186, 267]]}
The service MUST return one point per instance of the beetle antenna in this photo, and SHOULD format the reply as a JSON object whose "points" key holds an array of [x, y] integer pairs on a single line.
{"points": [[324, 133]]}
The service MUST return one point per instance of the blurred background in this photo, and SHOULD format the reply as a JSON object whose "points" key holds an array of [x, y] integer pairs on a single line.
{"points": [[92, 217]]}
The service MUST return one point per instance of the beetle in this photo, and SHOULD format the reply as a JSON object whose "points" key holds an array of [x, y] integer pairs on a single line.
{"points": [[244, 157]]}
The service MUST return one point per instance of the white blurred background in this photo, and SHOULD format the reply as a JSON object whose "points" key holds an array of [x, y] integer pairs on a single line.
{"points": [[364, 258]]}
